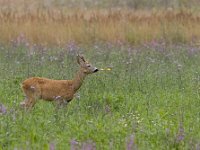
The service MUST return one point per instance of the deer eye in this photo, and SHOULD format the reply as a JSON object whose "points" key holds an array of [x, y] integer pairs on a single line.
{"points": [[88, 65]]}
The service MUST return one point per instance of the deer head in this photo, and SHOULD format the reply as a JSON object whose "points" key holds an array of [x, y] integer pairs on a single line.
{"points": [[86, 67]]}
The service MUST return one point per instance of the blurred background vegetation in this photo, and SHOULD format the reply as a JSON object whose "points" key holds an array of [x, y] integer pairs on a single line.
{"points": [[57, 22], [135, 4]]}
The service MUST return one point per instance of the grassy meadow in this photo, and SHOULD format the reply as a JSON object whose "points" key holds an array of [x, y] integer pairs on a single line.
{"points": [[149, 100]]}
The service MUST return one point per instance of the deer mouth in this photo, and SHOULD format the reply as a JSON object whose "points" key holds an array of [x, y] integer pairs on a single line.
{"points": [[96, 70]]}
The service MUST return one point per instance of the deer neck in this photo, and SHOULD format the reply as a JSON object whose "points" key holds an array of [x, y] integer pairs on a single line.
{"points": [[78, 80]]}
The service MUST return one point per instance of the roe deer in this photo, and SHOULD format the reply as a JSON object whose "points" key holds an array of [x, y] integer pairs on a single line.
{"points": [[60, 91]]}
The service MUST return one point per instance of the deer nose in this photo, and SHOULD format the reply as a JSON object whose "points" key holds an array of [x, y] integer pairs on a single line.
{"points": [[95, 70]]}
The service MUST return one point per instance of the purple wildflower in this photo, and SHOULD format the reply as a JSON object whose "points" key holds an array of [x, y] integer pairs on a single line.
{"points": [[198, 146], [88, 146], [107, 108], [52, 146], [74, 144], [120, 43], [109, 45], [2, 109], [72, 48], [20, 41], [154, 44], [180, 135], [130, 143], [191, 51]]}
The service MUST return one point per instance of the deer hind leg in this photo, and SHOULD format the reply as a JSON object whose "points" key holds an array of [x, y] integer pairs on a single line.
{"points": [[31, 96]]}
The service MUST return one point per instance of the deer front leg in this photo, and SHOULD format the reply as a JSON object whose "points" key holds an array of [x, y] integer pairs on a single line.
{"points": [[58, 101], [23, 103], [61, 101], [28, 103]]}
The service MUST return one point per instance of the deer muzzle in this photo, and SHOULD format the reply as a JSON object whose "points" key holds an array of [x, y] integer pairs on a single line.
{"points": [[95, 70]]}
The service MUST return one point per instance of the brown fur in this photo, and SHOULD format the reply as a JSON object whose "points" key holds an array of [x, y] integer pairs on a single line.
{"points": [[59, 91]]}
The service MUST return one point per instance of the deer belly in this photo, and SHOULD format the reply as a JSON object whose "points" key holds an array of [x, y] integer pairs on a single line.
{"points": [[59, 95]]}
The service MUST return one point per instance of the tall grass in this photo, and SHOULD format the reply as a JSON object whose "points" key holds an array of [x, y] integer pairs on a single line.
{"points": [[60, 26]]}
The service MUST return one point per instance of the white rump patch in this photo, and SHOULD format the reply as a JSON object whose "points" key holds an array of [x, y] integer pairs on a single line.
{"points": [[32, 87]]}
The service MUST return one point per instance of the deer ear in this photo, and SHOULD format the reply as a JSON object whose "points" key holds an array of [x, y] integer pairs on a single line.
{"points": [[80, 59]]}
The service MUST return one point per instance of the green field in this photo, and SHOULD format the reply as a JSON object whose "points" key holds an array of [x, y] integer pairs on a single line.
{"points": [[149, 100]]}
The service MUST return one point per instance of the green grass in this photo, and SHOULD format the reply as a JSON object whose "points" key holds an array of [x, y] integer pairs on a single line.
{"points": [[150, 99]]}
